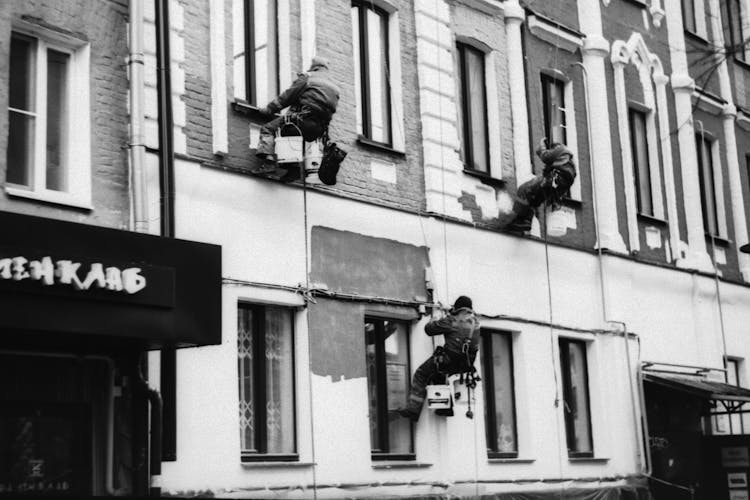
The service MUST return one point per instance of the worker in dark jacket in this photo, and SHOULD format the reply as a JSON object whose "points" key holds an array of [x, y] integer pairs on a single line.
{"points": [[460, 329], [550, 187], [312, 101]]}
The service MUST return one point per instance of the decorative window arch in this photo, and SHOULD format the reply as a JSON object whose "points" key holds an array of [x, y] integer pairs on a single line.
{"points": [[653, 83]]}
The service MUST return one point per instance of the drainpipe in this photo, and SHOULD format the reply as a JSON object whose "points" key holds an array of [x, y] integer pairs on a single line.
{"points": [[137, 143], [155, 430], [635, 396], [166, 198]]}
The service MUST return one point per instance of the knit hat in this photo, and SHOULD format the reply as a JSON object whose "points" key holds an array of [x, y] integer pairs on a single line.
{"points": [[461, 302], [318, 62], [556, 155]]}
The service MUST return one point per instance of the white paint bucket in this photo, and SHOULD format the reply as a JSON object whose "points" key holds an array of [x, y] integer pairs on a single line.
{"points": [[556, 223], [289, 149]]}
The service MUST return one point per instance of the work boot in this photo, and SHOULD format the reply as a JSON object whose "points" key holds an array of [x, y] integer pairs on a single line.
{"points": [[267, 165]]}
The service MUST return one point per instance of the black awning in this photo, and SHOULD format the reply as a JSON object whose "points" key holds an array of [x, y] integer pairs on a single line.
{"points": [[61, 280], [699, 386]]}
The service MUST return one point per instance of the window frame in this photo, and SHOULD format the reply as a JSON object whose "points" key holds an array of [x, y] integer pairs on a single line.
{"points": [[363, 72], [694, 26], [641, 172], [567, 386], [382, 391], [488, 372], [548, 81], [467, 146], [249, 70], [734, 41], [75, 123], [259, 375], [704, 149]]}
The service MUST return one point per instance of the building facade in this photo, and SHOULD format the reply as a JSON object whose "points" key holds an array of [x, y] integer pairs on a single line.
{"points": [[613, 335]]}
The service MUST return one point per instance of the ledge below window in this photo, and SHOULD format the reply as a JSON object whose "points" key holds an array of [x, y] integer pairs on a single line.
{"points": [[380, 146], [718, 240], [572, 202], [587, 460], [52, 197], [695, 37], [400, 464], [485, 178], [261, 464], [249, 110], [650, 219], [500, 460]]}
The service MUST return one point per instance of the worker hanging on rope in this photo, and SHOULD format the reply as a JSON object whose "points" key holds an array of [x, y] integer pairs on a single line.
{"points": [[460, 329], [312, 100], [549, 188]]}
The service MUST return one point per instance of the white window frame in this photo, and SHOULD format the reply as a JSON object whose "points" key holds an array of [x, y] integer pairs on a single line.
{"points": [[571, 132], [718, 180], [398, 137], [77, 121], [284, 72]]}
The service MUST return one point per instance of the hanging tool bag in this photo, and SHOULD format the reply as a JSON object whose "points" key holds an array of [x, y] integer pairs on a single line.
{"points": [[329, 166]]}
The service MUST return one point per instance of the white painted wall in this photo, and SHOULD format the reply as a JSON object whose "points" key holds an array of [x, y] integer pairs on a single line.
{"points": [[260, 227]]}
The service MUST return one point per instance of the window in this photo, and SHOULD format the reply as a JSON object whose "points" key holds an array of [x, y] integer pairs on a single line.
{"points": [[265, 347], [388, 375], [256, 55], [500, 404], [707, 187], [553, 99], [48, 154], [641, 168], [688, 15], [473, 92], [731, 20], [576, 398], [736, 421], [371, 65]]}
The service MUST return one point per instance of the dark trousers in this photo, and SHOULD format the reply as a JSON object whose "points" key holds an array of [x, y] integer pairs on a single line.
{"points": [[433, 371], [534, 192], [308, 124]]}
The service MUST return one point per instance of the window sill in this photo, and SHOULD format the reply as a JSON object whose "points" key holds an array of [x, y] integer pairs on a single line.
{"points": [[639, 3], [401, 464], [52, 197], [650, 219], [718, 240], [249, 110], [742, 64], [485, 178], [508, 460], [588, 460], [696, 37], [572, 202], [266, 459], [379, 146], [262, 464]]}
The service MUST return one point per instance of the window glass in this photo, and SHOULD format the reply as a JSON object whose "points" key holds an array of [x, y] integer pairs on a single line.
{"points": [[388, 376], [553, 97], [688, 15], [707, 188], [576, 397], [57, 91], [641, 167], [266, 380], [500, 416], [255, 58], [474, 108], [21, 111], [370, 34]]}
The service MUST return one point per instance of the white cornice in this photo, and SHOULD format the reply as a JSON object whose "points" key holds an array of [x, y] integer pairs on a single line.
{"points": [[554, 34]]}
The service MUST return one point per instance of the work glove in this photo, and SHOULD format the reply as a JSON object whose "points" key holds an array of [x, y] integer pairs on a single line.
{"points": [[265, 112]]}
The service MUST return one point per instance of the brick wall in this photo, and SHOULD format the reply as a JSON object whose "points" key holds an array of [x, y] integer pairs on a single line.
{"points": [[104, 25]]}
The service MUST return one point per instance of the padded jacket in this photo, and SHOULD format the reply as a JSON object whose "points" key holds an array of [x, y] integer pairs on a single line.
{"points": [[458, 328], [312, 94]]}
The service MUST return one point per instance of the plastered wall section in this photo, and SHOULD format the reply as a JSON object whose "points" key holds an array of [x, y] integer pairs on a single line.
{"points": [[104, 26]]}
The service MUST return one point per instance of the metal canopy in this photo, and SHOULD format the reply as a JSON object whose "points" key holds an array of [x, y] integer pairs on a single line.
{"points": [[699, 386]]}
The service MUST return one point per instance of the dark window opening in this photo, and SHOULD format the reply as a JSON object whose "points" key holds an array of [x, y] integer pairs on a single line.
{"points": [[707, 186], [499, 394], [265, 347], [576, 404], [641, 167], [473, 93], [388, 378]]}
